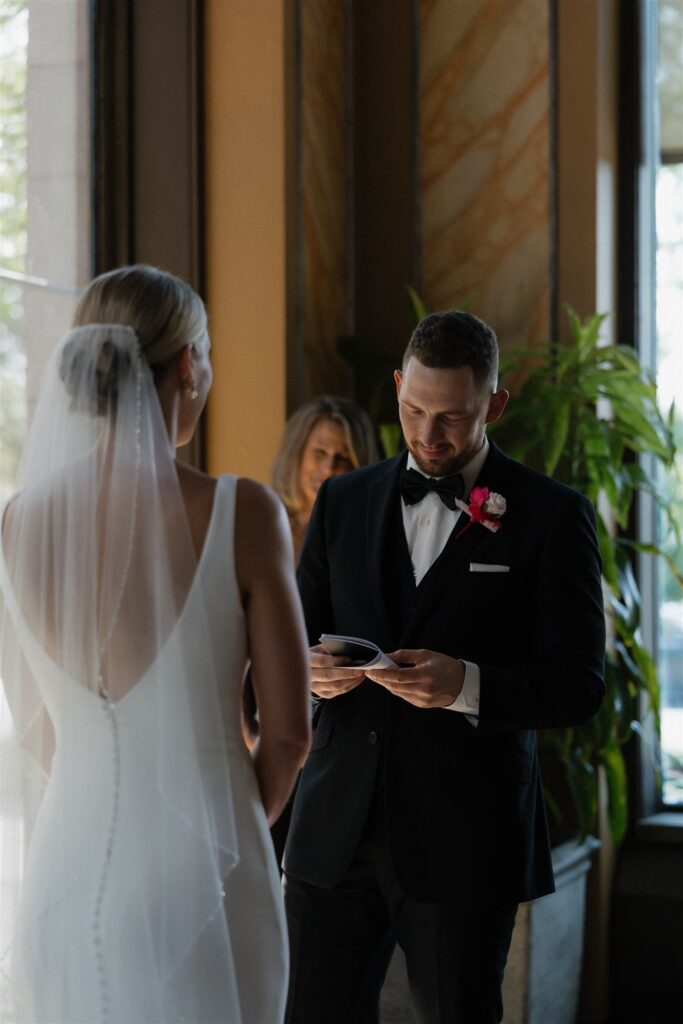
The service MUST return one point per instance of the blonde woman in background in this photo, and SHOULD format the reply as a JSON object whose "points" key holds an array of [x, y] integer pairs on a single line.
{"points": [[326, 437]]}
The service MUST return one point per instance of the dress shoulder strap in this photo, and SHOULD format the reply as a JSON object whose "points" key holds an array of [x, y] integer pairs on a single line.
{"points": [[224, 504], [219, 546]]}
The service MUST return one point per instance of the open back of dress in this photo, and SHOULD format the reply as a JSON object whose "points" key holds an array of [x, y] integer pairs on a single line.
{"points": [[149, 891]]}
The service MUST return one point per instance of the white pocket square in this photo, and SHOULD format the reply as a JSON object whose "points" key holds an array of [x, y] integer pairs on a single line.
{"points": [[488, 567]]}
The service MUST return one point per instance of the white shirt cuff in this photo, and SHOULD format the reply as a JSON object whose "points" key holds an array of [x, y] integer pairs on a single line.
{"points": [[467, 701]]}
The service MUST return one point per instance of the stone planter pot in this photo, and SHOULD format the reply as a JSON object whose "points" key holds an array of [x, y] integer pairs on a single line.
{"points": [[543, 970]]}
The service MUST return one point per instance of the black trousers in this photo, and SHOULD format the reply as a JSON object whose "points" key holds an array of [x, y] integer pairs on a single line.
{"points": [[342, 939]]}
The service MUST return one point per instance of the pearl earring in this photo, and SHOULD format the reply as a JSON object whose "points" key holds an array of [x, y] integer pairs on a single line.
{"points": [[194, 394]]}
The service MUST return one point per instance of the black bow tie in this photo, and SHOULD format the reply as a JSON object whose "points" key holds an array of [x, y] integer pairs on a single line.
{"points": [[414, 486]]}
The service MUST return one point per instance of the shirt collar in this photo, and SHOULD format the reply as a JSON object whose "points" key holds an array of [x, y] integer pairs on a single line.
{"points": [[470, 471]]}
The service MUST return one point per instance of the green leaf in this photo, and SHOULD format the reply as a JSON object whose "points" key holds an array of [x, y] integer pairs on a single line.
{"points": [[617, 785], [552, 805], [391, 437], [628, 585], [627, 387], [607, 553], [653, 549], [574, 323], [583, 784], [593, 435], [648, 678], [559, 428], [585, 334], [642, 434], [619, 706], [418, 308]]}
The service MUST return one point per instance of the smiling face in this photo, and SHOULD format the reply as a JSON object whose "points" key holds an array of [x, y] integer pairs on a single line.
{"points": [[444, 414], [326, 453]]}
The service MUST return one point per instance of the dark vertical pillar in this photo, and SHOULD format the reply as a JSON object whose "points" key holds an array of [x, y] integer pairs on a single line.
{"points": [[148, 134], [167, 227], [111, 134], [385, 171]]}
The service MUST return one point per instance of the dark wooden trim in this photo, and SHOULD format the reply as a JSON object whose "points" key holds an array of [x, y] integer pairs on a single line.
{"points": [[385, 156], [630, 149], [636, 322], [415, 149], [349, 325], [553, 269], [112, 116], [148, 141]]}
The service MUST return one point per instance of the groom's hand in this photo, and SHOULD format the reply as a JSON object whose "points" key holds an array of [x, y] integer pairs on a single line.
{"points": [[329, 677], [429, 680]]}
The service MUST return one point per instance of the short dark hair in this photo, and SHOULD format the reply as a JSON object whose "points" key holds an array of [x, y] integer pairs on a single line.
{"points": [[452, 339]]}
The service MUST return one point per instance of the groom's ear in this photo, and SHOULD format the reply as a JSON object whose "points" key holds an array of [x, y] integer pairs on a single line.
{"points": [[497, 402], [398, 378]]}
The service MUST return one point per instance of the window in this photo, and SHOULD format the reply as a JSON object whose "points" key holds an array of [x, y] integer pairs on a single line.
{"points": [[668, 270], [45, 228], [45, 197]]}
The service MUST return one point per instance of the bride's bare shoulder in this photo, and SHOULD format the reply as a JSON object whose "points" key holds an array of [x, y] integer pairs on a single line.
{"points": [[257, 505], [262, 534]]}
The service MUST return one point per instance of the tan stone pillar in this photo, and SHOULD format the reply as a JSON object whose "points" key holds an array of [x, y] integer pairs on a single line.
{"points": [[246, 232]]}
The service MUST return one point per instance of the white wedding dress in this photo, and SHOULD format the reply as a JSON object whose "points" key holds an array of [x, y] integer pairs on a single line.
{"points": [[144, 900]]}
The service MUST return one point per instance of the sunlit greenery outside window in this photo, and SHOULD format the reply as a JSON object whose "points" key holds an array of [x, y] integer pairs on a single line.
{"points": [[13, 181], [45, 233], [669, 305], [45, 197]]}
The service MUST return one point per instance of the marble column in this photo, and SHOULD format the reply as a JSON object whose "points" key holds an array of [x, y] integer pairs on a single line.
{"points": [[485, 161]]}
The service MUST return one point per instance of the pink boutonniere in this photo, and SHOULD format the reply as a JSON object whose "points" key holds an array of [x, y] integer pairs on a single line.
{"points": [[485, 507]]}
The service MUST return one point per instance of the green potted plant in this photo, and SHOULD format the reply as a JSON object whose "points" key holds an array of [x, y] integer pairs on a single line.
{"points": [[583, 413]]}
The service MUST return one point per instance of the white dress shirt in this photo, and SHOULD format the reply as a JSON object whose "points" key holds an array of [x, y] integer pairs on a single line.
{"points": [[428, 525]]}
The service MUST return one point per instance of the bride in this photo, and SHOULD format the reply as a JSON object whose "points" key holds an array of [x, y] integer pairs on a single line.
{"points": [[134, 593]]}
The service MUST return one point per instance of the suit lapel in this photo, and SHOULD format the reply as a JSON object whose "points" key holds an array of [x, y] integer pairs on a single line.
{"points": [[460, 549], [390, 565]]}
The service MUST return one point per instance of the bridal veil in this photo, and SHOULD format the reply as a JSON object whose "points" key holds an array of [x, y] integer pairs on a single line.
{"points": [[97, 565]]}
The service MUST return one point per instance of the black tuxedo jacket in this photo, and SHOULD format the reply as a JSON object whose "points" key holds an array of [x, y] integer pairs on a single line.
{"points": [[463, 803]]}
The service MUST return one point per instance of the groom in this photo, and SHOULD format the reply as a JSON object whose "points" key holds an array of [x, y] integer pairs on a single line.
{"points": [[419, 817]]}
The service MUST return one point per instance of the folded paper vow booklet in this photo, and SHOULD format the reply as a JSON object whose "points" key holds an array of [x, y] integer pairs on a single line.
{"points": [[361, 653]]}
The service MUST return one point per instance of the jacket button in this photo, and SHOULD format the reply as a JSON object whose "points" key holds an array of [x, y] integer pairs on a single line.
{"points": [[372, 737]]}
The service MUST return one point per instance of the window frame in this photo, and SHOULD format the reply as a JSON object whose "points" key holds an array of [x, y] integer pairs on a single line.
{"points": [[636, 308]]}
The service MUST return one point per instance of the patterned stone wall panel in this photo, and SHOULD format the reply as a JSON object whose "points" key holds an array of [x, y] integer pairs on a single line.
{"points": [[485, 161], [323, 183]]}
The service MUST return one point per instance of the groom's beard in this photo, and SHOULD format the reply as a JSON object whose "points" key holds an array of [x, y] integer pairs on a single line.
{"points": [[444, 461]]}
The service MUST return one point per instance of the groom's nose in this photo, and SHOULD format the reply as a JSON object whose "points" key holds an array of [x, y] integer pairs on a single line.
{"points": [[431, 432]]}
